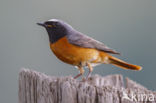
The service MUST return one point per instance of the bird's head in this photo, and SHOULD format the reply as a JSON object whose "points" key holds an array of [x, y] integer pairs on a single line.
{"points": [[56, 29]]}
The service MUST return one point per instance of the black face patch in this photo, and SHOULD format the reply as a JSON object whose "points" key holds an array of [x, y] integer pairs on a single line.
{"points": [[57, 29], [56, 33]]}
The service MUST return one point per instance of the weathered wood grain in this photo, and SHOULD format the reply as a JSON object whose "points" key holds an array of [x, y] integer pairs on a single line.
{"points": [[35, 87]]}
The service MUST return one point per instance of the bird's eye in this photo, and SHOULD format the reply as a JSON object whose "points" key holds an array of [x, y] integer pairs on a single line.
{"points": [[49, 26]]}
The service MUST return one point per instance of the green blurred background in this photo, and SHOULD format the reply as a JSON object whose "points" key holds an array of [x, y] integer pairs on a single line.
{"points": [[129, 26]]}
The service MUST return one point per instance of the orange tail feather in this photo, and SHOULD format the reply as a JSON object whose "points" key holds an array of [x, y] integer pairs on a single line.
{"points": [[122, 64]]}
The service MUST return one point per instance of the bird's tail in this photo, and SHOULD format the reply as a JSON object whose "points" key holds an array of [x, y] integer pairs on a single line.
{"points": [[119, 63]]}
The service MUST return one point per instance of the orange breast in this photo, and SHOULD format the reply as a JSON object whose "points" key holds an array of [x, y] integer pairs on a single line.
{"points": [[73, 54]]}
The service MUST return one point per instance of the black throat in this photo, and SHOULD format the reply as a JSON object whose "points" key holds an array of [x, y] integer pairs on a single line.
{"points": [[55, 35]]}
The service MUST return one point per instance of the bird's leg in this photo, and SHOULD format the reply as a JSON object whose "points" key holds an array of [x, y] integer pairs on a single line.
{"points": [[90, 70], [81, 72]]}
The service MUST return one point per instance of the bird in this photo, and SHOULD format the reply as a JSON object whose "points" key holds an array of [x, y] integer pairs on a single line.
{"points": [[80, 50]]}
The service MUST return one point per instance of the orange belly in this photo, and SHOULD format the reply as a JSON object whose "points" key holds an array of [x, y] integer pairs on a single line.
{"points": [[73, 54]]}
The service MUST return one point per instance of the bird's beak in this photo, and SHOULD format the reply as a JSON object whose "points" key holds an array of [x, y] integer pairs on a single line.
{"points": [[41, 24]]}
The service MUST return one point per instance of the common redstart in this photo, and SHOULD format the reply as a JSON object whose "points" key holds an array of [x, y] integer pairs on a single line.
{"points": [[77, 49]]}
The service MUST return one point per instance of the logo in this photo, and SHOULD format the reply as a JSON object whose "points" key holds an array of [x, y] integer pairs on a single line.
{"points": [[133, 97]]}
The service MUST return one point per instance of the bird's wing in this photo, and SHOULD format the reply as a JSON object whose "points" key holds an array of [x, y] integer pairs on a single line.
{"points": [[87, 42]]}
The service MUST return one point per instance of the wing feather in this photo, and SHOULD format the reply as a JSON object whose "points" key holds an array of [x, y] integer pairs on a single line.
{"points": [[87, 42]]}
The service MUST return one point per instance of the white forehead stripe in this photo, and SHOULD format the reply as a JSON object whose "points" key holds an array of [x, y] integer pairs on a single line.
{"points": [[62, 22], [53, 20]]}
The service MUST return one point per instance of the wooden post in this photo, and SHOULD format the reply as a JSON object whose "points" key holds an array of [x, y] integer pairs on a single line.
{"points": [[35, 87]]}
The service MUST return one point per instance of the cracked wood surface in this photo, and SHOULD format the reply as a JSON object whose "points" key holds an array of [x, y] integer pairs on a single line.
{"points": [[35, 87]]}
